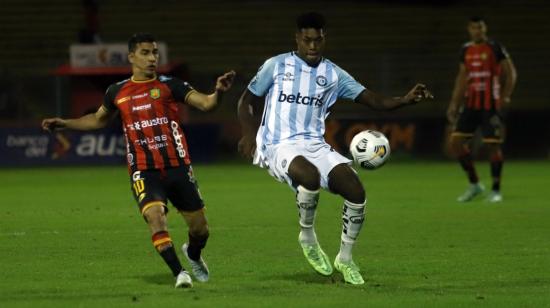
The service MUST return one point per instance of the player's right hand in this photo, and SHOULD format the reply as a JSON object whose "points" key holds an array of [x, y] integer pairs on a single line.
{"points": [[225, 81], [247, 146], [53, 124], [452, 114]]}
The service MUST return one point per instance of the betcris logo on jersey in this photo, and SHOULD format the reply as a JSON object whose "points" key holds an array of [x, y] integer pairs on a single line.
{"points": [[299, 99]]}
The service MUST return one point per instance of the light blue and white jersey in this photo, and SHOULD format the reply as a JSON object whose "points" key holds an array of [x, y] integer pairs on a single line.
{"points": [[298, 97]]}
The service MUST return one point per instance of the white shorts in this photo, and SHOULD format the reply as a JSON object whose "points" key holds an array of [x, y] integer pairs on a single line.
{"points": [[276, 158]]}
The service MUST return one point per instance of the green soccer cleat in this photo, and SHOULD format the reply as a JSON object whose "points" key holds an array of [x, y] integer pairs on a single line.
{"points": [[350, 271], [317, 258], [470, 193]]}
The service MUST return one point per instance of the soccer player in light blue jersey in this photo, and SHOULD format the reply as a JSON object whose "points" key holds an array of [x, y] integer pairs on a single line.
{"points": [[297, 89]]}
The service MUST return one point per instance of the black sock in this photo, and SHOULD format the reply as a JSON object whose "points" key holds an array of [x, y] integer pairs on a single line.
{"points": [[171, 258], [164, 246], [467, 164], [196, 244], [496, 169]]}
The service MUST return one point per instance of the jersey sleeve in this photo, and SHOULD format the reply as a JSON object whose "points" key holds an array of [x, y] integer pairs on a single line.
{"points": [[348, 87], [180, 89], [109, 98], [500, 52], [260, 84]]}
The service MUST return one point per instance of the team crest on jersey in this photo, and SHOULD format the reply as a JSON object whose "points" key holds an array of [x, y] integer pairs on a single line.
{"points": [[483, 56], [321, 81], [154, 93]]}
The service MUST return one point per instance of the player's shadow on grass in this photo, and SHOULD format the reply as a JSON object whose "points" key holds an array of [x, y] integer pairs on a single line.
{"points": [[158, 279], [308, 277]]}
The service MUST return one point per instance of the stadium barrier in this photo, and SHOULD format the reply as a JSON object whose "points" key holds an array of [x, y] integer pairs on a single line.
{"points": [[34, 147], [527, 136]]}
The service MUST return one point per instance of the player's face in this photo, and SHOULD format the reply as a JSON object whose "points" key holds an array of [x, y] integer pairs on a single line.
{"points": [[477, 31], [311, 44], [145, 59]]}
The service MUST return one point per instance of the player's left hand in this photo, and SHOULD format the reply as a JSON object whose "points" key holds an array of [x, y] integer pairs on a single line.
{"points": [[418, 93], [225, 81]]}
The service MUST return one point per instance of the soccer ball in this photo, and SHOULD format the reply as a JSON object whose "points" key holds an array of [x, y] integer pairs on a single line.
{"points": [[370, 149]]}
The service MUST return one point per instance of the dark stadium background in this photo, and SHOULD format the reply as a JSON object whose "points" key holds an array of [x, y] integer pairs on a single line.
{"points": [[387, 45]]}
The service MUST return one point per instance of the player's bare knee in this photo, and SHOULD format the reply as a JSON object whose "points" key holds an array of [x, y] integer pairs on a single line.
{"points": [[311, 179], [155, 218], [199, 230], [457, 145]]}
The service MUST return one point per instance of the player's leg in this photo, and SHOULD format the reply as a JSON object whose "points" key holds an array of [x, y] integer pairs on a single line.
{"points": [[497, 161], [185, 196], [343, 180], [492, 138], [151, 199], [198, 236], [466, 125], [306, 178]]}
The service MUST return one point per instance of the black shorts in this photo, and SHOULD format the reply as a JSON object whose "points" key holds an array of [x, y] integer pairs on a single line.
{"points": [[155, 187], [490, 122]]}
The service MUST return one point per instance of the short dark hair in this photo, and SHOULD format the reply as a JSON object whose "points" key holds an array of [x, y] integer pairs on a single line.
{"points": [[139, 38], [476, 19], [310, 20]]}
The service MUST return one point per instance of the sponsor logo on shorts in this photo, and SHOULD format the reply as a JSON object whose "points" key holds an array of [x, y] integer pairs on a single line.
{"points": [[283, 164], [136, 176], [141, 197]]}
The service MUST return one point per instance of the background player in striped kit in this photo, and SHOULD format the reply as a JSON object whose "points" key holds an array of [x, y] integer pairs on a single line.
{"points": [[299, 88], [158, 158], [477, 101]]}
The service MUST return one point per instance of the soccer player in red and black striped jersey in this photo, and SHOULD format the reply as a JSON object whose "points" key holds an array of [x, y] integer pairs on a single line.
{"points": [[477, 102], [157, 154]]}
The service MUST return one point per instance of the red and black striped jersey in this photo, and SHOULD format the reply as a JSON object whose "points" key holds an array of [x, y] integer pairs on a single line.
{"points": [[149, 114], [482, 62]]}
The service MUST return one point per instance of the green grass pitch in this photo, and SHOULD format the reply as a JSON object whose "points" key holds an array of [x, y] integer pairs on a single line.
{"points": [[73, 237]]}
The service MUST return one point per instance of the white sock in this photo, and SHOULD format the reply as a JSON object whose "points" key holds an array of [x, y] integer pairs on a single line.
{"points": [[306, 200], [353, 217]]}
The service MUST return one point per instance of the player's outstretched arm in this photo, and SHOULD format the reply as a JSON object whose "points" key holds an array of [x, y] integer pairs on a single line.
{"points": [[380, 102], [250, 121], [510, 77], [206, 102], [90, 121], [458, 94]]}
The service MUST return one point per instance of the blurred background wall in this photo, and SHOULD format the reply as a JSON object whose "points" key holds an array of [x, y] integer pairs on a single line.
{"points": [[386, 45]]}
